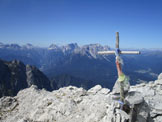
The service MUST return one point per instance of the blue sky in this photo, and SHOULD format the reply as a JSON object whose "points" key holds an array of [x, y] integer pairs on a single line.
{"points": [[43, 22]]}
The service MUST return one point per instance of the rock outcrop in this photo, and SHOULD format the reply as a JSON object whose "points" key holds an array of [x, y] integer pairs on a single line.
{"points": [[72, 104], [14, 76]]}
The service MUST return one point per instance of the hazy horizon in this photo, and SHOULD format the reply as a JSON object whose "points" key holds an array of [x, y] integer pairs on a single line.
{"points": [[129, 48]]}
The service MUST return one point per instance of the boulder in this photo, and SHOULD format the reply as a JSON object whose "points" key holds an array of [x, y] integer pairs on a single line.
{"points": [[134, 98], [160, 76]]}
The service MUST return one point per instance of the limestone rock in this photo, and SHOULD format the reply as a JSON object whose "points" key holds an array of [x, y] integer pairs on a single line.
{"points": [[134, 98], [66, 104], [105, 91], [14, 76], [72, 104], [159, 81], [95, 89], [160, 76]]}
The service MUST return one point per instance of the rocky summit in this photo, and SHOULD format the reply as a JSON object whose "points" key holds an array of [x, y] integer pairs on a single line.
{"points": [[72, 104]]}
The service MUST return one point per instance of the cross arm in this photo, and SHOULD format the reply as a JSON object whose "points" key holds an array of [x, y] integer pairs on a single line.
{"points": [[122, 52]]}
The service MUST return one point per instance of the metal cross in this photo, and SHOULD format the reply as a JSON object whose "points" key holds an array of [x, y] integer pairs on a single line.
{"points": [[118, 49]]}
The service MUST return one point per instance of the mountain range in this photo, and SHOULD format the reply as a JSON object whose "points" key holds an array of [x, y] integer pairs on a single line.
{"points": [[83, 64]]}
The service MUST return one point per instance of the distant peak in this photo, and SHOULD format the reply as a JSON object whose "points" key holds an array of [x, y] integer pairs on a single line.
{"points": [[28, 44], [53, 46], [72, 45], [15, 46]]}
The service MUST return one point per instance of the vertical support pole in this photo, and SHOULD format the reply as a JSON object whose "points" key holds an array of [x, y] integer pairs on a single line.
{"points": [[117, 40]]}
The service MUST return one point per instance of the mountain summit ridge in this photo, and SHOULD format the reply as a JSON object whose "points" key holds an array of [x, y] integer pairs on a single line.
{"points": [[77, 104]]}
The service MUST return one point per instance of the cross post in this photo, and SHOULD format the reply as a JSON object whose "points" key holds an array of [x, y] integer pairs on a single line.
{"points": [[118, 52]]}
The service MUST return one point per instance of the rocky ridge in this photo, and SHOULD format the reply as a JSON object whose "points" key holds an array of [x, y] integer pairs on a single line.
{"points": [[14, 76], [76, 104]]}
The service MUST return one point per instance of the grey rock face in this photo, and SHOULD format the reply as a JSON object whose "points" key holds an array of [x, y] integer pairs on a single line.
{"points": [[76, 104], [14, 76], [72, 104], [66, 104], [151, 92], [36, 77], [160, 77], [134, 98]]}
